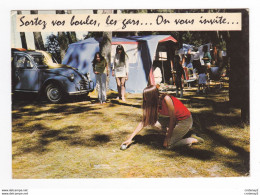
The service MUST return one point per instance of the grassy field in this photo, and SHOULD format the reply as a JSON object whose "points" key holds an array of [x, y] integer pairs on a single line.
{"points": [[81, 139]]}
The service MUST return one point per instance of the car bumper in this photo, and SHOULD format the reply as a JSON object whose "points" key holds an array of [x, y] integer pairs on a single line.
{"points": [[89, 87], [79, 92]]}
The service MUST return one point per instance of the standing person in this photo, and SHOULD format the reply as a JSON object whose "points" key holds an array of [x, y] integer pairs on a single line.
{"points": [[189, 64], [173, 73], [179, 75], [120, 70], [180, 119], [202, 79], [100, 68], [215, 55], [206, 57], [195, 61]]}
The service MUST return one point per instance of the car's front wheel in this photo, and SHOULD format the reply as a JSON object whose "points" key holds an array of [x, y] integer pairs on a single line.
{"points": [[54, 93]]}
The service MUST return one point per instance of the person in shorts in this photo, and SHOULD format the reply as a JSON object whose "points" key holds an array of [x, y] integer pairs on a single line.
{"points": [[120, 70], [180, 119]]}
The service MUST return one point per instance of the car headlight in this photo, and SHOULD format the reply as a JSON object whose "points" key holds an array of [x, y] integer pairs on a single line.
{"points": [[71, 77]]}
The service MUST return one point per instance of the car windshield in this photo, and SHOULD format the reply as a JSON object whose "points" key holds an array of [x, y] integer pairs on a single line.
{"points": [[46, 59]]}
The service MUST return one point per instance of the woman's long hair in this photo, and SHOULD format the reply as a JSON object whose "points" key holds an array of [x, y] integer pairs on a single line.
{"points": [[150, 105], [123, 53], [94, 61]]}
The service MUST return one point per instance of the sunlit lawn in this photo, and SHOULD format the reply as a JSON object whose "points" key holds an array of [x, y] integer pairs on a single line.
{"points": [[81, 139]]}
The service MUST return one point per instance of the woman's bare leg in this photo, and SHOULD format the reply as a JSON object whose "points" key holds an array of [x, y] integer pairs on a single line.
{"points": [[123, 88], [118, 84], [187, 141]]}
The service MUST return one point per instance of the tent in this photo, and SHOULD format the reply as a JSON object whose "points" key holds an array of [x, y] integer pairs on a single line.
{"points": [[142, 52]]}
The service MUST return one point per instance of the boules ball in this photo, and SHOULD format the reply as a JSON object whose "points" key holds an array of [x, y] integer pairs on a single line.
{"points": [[123, 147]]}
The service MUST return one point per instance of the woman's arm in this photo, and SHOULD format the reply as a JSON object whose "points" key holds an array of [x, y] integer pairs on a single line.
{"points": [[94, 68], [106, 67], [127, 67], [172, 121], [113, 66], [136, 131]]}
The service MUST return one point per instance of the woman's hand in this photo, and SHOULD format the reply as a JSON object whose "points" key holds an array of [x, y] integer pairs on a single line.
{"points": [[127, 142]]}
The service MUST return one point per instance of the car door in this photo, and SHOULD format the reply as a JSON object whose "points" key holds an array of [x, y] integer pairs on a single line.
{"points": [[26, 74]]}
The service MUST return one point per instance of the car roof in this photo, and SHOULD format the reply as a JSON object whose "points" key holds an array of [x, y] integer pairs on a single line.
{"points": [[30, 52]]}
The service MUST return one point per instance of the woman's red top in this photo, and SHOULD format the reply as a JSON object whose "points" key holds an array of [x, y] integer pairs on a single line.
{"points": [[181, 112]]}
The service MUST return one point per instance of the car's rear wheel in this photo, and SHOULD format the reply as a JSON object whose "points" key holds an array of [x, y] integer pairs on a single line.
{"points": [[54, 93]]}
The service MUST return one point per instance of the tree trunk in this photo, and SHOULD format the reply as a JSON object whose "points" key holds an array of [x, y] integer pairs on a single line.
{"points": [[105, 45], [22, 35], [71, 35], [63, 42], [62, 39], [239, 65], [72, 38], [38, 37]]}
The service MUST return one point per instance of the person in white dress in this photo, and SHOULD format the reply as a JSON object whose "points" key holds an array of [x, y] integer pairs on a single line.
{"points": [[120, 70]]}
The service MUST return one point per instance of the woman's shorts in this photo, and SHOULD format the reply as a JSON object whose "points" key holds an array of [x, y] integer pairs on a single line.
{"points": [[180, 130]]}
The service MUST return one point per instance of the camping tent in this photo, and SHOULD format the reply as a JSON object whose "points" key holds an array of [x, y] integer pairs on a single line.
{"points": [[141, 51]]}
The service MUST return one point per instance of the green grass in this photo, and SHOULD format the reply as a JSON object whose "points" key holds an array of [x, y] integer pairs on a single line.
{"points": [[81, 139]]}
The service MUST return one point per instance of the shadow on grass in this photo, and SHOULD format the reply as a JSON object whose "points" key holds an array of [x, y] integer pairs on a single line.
{"points": [[207, 120], [101, 138], [28, 129], [35, 98], [124, 104], [43, 136], [241, 167], [242, 155], [154, 139], [62, 109], [94, 141], [196, 153]]}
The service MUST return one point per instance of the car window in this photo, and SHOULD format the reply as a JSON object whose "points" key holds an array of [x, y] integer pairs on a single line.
{"points": [[23, 62], [20, 62], [39, 60]]}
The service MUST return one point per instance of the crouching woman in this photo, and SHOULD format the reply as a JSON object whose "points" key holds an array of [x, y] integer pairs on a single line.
{"points": [[180, 119]]}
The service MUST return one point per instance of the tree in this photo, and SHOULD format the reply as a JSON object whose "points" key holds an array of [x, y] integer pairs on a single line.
{"points": [[62, 39], [105, 45], [52, 46], [71, 35], [239, 65], [22, 35], [38, 36]]}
